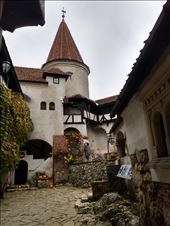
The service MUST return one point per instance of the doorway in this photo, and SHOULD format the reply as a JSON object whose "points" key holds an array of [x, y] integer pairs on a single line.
{"points": [[21, 173]]}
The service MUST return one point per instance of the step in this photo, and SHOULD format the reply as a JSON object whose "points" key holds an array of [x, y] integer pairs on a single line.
{"points": [[24, 187]]}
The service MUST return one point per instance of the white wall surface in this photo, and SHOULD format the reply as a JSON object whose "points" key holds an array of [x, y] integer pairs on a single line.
{"points": [[38, 165], [160, 175], [97, 139], [135, 126], [78, 84], [80, 127], [46, 122]]}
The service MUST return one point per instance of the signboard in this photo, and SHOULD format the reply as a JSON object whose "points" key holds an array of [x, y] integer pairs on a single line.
{"points": [[125, 172]]}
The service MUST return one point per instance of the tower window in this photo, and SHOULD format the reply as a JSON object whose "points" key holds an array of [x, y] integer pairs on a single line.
{"points": [[52, 106], [56, 80], [69, 73], [43, 105]]}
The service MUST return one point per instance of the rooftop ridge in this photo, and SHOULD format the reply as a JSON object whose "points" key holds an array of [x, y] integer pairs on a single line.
{"points": [[32, 68]]}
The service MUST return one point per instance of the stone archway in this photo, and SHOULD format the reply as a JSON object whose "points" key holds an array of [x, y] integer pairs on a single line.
{"points": [[21, 173], [75, 142], [40, 149]]}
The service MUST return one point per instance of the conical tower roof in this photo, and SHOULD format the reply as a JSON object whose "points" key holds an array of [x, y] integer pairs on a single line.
{"points": [[64, 47]]}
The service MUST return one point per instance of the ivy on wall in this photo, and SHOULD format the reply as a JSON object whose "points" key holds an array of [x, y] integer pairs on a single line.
{"points": [[15, 127], [74, 145]]}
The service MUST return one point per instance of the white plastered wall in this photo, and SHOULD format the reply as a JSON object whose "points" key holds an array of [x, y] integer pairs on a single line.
{"points": [[97, 139], [82, 128], [78, 82], [135, 126], [46, 122], [159, 80]]}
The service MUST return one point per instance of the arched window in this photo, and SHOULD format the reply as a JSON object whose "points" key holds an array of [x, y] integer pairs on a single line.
{"points": [[52, 106], [43, 105], [159, 130]]}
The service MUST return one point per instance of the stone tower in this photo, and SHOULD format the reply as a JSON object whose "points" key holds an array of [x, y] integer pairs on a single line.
{"points": [[58, 98], [64, 55]]}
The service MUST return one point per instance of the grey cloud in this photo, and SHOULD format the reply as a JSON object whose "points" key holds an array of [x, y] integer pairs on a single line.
{"points": [[109, 35]]}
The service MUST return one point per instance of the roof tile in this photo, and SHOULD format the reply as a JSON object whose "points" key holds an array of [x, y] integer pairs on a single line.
{"points": [[107, 100], [64, 47], [30, 74]]}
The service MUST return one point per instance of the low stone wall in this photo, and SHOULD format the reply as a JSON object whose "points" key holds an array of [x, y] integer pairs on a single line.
{"points": [[82, 174]]}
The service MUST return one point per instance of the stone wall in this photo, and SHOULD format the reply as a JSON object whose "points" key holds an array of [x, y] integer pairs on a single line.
{"points": [[60, 167], [160, 205], [153, 198], [82, 174]]}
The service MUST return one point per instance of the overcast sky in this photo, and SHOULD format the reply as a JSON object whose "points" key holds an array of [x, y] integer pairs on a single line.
{"points": [[108, 34]]}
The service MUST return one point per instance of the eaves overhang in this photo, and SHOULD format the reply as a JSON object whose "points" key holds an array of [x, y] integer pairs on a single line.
{"points": [[16, 14], [67, 60], [11, 77]]}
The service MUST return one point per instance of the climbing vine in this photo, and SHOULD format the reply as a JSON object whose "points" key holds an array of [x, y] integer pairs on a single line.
{"points": [[74, 145], [15, 126]]}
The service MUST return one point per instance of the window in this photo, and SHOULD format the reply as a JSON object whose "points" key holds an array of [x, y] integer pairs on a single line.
{"points": [[56, 80], [160, 135], [43, 105], [69, 73], [52, 106]]}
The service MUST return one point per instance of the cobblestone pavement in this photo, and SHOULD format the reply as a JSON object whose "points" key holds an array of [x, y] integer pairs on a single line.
{"points": [[49, 207]]}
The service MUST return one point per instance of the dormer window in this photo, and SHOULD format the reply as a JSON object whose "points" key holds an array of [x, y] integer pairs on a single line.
{"points": [[69, 73], [43, 105], [52, 106], [56, 80]]}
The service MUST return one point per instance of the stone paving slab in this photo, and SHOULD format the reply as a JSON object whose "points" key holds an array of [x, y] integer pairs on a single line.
{"points": [[42, 207]]}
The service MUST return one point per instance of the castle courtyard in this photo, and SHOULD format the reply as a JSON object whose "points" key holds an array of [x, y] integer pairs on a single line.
{"points": [[49, 207]]}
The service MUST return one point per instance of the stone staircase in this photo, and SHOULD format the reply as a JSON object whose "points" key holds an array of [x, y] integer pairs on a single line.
{"points": [[83, 204], [23, 187]]}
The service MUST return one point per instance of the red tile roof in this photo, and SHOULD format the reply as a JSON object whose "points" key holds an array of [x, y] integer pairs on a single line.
{"points": [[64, 47], [107, 100], [81, 97], [54, 71], [30, 74], [36, 74], [77, 96]]}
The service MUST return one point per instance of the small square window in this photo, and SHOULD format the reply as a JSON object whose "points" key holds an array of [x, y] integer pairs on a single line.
{"points": [[56, 80]]}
